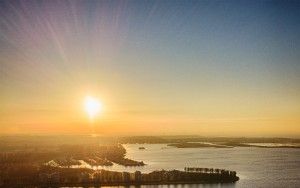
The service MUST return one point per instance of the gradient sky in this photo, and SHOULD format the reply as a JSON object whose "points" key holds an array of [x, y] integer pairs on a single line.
{"points": [[213, 68]]}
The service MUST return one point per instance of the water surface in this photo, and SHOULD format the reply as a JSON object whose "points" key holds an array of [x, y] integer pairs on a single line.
{"points": [[256, 167]]}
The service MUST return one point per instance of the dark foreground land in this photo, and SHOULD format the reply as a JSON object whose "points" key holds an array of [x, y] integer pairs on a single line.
{"points": [[62, 161], [23, 162], [58, 160], [46, 176], [66, 155]]}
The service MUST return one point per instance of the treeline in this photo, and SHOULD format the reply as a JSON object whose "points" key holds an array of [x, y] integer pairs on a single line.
{"points": [[184, 139], [51, 143]]}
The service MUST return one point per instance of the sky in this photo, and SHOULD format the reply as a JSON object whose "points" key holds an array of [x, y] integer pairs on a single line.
{"points": [[211, 68]]}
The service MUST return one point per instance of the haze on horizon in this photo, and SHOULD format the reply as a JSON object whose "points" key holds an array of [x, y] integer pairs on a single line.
{"points": [[212, 68]]}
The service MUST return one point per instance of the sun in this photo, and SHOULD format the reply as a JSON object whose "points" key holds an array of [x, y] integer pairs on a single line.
{"points": [[92, 106]]}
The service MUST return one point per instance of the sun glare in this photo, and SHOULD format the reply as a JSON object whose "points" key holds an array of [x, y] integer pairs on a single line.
{"points": [[92, 106]]}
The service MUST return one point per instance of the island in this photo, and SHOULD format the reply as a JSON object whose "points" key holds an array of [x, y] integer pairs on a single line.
{"points": [[198, 145]]}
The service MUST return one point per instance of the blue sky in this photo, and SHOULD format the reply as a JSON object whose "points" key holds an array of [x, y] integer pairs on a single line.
{"points": [[224, 64]]}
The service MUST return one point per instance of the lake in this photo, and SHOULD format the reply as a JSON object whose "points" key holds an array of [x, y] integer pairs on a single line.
{"points": [[256, 167]]}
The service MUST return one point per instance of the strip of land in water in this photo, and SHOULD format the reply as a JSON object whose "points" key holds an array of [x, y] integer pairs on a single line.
{"points": [[230, 145], [198, 145]]}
